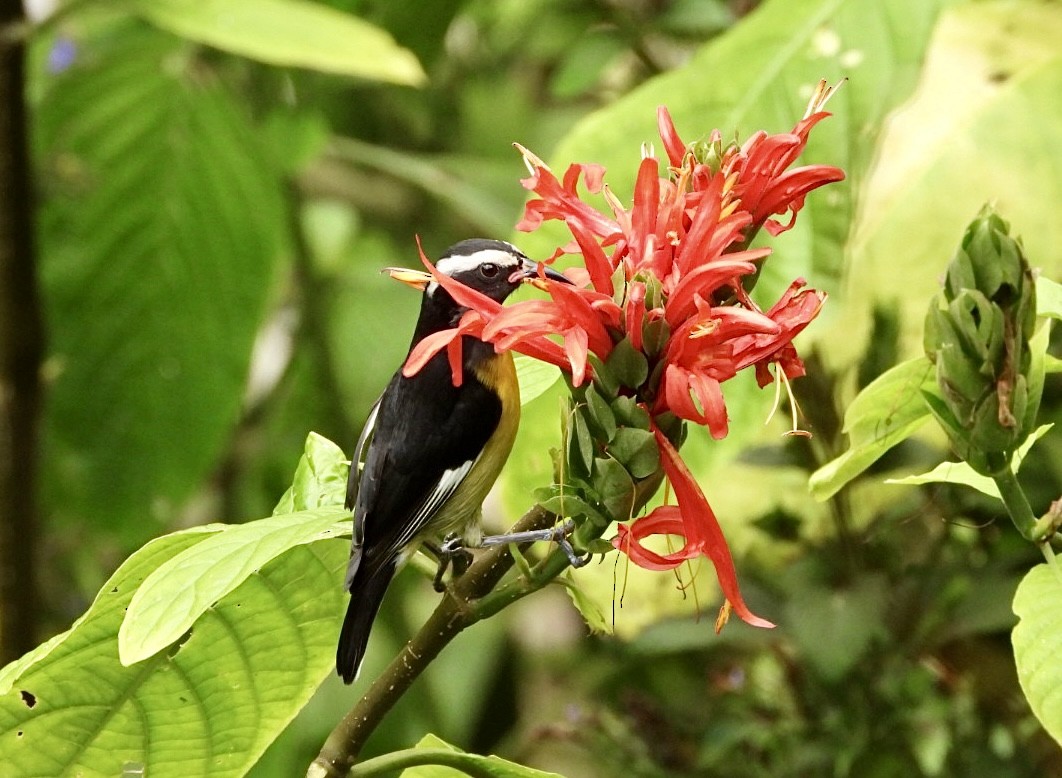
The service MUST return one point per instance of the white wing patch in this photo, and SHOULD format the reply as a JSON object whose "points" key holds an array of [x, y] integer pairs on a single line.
{"points": [[357, 463], [443, 491]]}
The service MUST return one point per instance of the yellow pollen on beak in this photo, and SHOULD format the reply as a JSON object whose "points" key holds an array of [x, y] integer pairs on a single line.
{"points": [[418, 279]]}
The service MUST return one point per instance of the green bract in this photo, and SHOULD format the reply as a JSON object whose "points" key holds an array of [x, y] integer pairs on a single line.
{"points": [[977, 333]]}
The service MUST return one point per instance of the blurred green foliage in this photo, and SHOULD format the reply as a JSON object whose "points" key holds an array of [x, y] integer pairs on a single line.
{"points": [[211, 229]]}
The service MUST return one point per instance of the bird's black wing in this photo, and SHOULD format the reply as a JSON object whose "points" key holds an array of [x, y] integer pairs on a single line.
{"points": [[426, 437], [357, 461]]}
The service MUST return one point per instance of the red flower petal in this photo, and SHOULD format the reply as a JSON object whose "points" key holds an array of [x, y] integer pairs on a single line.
{"points": [[575, 346], [427, 348], [665, 520], [644, 212], [634, 313], [597, 264], [702, 529], [673, 145]]}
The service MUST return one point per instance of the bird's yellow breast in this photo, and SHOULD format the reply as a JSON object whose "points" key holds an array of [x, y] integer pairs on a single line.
{"points": [[461, 512]]}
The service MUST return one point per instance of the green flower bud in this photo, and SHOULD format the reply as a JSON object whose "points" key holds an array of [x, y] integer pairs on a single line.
{"points": [[977, 332]]}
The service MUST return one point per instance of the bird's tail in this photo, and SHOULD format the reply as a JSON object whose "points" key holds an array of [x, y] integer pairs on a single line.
{"points": [[366, 593]]}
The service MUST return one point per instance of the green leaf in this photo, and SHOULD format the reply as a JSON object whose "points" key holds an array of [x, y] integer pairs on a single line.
{"points": [[580, 445], [1038, 643], [604, 380], [293, 33], [210, 706], [535, 377], [636, 450], [627, 364], [1048, 298], [629, 413], [587, 606], [161, 241], [458, 764], [568, 505], [185, 587], [320, 478], [962, 473], [885, 413], [603, 421], [989, 91], [614, 488], [124, 581]]}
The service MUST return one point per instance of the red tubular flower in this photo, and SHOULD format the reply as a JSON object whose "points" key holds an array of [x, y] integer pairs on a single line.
{"points": [[700, 355], [585, 318], [682, 247], [792, 313], [694, 520], [634, 313]]}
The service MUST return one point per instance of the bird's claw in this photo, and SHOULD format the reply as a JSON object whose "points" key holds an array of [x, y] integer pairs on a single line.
{"points": [[452, 553]]}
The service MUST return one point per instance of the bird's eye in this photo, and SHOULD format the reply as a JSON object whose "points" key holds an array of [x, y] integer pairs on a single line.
{"points": [[488, 269]]}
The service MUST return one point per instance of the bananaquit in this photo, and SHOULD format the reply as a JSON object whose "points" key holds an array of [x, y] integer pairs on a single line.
{"points": [[430, 451]]}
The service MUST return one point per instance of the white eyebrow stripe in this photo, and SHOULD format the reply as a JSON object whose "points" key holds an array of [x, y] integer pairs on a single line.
{"points": [[451, 266]]}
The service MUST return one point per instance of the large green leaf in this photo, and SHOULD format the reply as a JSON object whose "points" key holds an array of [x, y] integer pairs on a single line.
{"points": [[1038, 642], [288, 32], [984, 126], [454, 763], [125, 579], [962, 473], [162, 227], [884, 414], [210, 706], [185, 587]]}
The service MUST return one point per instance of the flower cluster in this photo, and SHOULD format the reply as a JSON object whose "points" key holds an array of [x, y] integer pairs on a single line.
{"points": [[669, 275]]}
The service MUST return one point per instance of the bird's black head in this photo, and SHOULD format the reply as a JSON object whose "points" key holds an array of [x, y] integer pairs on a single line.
{"points": [[493, 267]]}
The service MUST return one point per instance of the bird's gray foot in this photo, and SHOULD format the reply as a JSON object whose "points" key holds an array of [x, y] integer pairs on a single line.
{"points": [[557, 534]]}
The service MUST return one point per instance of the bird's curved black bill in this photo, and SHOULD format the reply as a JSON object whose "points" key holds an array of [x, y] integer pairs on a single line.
{"points": [[529, 272]]}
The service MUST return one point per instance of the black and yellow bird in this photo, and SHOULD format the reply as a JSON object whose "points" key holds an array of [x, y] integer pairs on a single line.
{"points": [[430, 451]]}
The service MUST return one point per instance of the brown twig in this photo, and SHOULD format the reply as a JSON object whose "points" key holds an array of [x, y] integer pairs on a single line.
{"points": [[452, 615], [457, 611], [21, 347]]}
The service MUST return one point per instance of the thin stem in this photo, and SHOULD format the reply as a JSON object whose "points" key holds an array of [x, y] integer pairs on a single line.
{"points": [[1017, 504], [412, 757], [21, 350]]}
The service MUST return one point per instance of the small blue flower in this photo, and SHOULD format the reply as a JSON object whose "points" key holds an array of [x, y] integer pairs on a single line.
{"points": [[62, 55]]}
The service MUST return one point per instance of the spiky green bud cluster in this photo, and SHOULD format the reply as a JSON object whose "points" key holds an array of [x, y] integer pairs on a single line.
{"points": [[977, 332]]}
